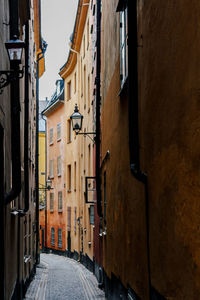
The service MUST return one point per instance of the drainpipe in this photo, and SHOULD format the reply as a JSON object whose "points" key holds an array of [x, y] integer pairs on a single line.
{"points": [[15, 115], [134, 122], [98, 104], [2, 209], [26, 122]]}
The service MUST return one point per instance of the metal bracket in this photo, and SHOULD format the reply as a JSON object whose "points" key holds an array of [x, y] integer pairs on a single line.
{"points": [[6, 77]]}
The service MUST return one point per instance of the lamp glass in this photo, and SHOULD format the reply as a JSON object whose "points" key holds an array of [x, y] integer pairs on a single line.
{"points": [[15, 54], [14, 48], [77, 119]]}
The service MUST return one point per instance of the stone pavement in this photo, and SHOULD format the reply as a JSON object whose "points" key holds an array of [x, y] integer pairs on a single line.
{"points": [[62, 278]]}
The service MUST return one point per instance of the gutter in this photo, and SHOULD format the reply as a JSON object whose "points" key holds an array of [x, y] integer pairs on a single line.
{"points": [[98, 104], [15, 115], [134, 147]]}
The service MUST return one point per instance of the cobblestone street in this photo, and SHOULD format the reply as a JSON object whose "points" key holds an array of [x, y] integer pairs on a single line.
{"points": [[62, 278]]}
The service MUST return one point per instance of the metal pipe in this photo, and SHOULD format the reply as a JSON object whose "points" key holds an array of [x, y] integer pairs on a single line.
{"points": [[26, 120], [2, 235], [98, 104], [15, 114]]}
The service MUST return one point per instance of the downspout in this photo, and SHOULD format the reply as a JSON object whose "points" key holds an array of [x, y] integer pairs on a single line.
{"points": [[2, 211], [26, 121], [134, 146], [15, 114], [98, 105]]}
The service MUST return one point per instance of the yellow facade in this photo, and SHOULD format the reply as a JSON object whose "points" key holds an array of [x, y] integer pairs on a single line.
{"points": [[79, 148]]}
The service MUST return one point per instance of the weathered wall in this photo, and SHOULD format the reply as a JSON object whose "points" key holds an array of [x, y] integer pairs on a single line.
{"points": [[169, 71], [124, 246], [55, 218]]}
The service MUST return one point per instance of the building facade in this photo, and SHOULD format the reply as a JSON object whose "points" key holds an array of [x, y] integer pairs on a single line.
{"points": [[150, 182], [17, 153], [80, 148], [56, 204]]}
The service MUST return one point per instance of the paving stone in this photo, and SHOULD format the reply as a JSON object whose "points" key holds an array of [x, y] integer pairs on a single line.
{"points": [[61, 278]]}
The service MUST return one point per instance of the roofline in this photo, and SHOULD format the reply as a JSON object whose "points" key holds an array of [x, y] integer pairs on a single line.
{"points": [[47, 111], [81, 15]]}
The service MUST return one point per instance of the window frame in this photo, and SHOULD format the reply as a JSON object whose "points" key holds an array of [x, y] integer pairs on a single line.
{"points": [[52, 236], [60, 201]]}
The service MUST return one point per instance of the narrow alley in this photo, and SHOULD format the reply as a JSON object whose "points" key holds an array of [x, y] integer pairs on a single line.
{"points": [[61, 278]]}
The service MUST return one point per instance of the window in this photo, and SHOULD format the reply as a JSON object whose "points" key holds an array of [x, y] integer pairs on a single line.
{"points": [[51, 168], [69, 90], [91, 211], [104, 198], [84, 86], [51, 201], [52, 236], [123, 46], [51, 136], [69, 131], [74, 176], [74, 83], [58, 131], [68, 218], [69, 178], [89, 164], [88, 93], [59, 165], [84, 46], [59, 201], [59, 238], [75, 215], [88, 34]]}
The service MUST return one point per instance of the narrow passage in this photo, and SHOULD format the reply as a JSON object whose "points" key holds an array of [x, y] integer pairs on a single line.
{"points": [[62, 278]]}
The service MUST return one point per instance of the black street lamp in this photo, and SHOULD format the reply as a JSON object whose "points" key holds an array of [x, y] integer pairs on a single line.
{"points": [[77, 120], [14, 48]]}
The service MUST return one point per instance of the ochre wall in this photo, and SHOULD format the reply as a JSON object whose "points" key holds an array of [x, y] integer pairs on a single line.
{"points": [[169, 69], [124, 246]]}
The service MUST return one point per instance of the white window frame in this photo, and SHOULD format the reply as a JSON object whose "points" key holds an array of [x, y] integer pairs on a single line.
{"points": [[51, 136], [60, 202], [59, 166], [123, 46], [58, 132]]}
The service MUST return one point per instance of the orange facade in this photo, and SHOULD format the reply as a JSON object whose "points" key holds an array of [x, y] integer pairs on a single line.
{"points": [[56, 210]]}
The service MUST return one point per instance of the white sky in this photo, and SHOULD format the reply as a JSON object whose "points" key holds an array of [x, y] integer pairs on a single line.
{"points": [[58, 18]]}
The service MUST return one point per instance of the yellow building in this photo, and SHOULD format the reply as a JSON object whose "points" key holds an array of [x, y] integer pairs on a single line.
{"points": [[79, 149]]}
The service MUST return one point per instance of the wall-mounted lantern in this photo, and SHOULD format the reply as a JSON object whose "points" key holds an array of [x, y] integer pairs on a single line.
{"points": [[77, 120], [14, 48]]}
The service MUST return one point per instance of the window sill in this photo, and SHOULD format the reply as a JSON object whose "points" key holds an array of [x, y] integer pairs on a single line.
{"points": [[51, 210], [60, 211], [59, 175], [50, 144], [69, 191], [58, 140]]}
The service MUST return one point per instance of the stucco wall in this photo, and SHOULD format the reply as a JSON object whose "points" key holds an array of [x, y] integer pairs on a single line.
{"points": [[169, 108]]}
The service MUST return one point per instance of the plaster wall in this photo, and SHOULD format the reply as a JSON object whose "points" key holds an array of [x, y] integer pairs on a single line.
{"points": [[56, 218], [169, 111], [124, 245]]}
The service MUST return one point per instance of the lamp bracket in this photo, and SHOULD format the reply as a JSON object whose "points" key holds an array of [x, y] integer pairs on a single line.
{"points": [[7, 76], [87, 134]]}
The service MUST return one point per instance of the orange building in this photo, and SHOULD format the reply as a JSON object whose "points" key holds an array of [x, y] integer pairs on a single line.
{"points": [[55, 130]]}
